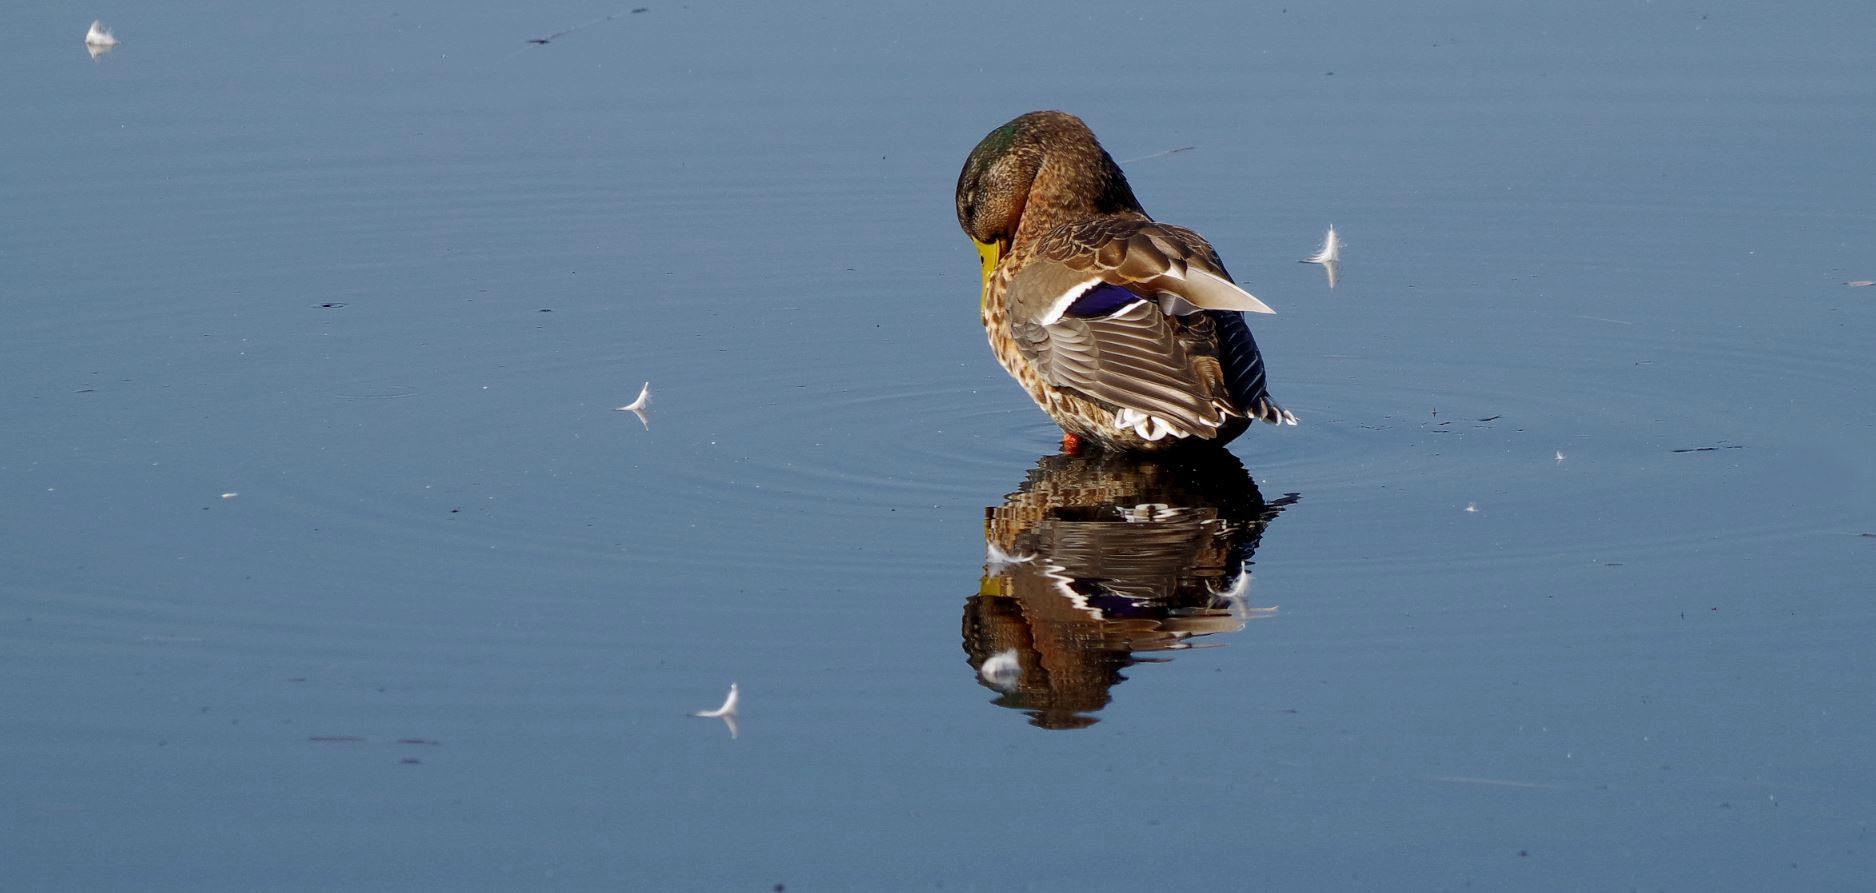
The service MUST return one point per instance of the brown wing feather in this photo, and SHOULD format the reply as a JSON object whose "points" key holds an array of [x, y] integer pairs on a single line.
{"points": [[1135, 359], [1140, 358], [1136, 247], [1154, 258]]}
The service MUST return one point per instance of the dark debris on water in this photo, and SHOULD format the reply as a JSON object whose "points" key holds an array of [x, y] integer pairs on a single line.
{"points": [[543, 41]]}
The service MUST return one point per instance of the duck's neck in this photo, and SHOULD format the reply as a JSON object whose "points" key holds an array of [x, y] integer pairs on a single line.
{"points": [[1074, 185]]}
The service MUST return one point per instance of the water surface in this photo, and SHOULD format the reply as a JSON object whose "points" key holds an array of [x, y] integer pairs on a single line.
{"points": [[331, 565]]}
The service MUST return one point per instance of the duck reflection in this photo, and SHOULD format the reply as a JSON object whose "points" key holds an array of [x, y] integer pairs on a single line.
{"points": [[1097, 560]]}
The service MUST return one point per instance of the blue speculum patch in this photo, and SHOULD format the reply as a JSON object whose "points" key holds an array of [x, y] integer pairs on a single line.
{"points": [[1102, 299]]}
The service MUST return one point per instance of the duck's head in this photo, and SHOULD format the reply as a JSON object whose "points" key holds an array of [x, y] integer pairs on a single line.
{"points": [[1040, 170]]}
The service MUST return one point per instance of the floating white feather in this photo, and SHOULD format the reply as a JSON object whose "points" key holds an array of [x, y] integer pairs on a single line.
{"points": [[637, 407], [996, 560], [727, 712], [1329, 255], [100, 36], [1002, 670], [1331, 250]]}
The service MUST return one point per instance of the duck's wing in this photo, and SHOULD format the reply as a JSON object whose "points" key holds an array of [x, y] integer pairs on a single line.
{"points": [[1135, 360], [1171, 263], [1244, 371], [1141, 315]]}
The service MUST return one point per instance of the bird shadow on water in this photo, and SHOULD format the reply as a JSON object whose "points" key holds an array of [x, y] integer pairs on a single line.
{"points": [[1100, 562]]}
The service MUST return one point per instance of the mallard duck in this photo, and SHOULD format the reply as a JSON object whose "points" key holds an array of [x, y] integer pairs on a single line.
{"points": [[1128, 332]]}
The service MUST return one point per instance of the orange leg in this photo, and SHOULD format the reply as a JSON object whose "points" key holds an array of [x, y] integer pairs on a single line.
{"points": [[1070, 444]]}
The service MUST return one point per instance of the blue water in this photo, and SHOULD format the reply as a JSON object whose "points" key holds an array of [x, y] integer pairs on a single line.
{"points": [[330, 564]]}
